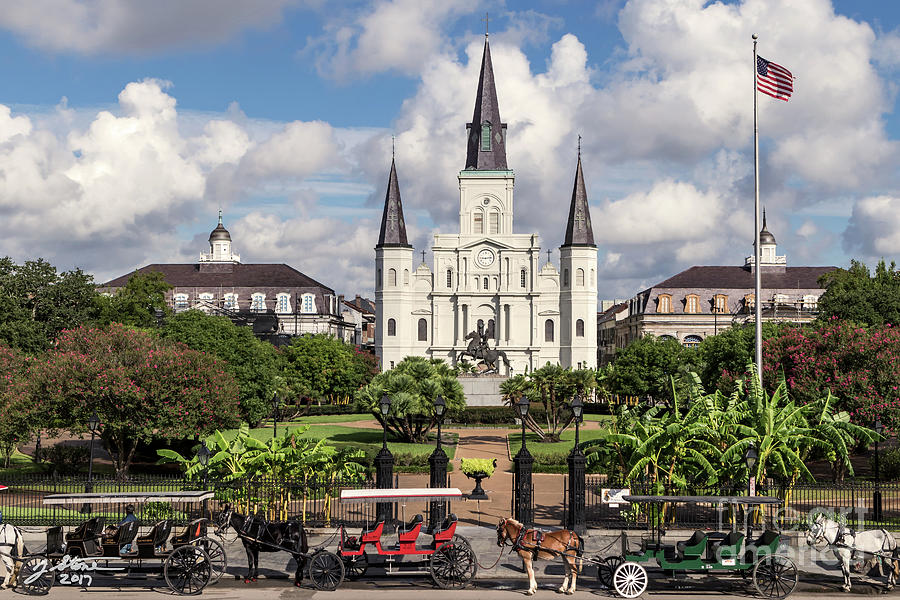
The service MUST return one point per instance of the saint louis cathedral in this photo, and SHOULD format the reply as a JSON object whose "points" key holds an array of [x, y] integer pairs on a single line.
{"points": [[486, 283]]}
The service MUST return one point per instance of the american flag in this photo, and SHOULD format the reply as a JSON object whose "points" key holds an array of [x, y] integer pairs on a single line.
{"points": [[773, 80]]}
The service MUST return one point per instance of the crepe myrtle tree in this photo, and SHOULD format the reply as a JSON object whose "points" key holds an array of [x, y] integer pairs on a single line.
{"points": [[412, 387], [142, 388], [19, 416]]}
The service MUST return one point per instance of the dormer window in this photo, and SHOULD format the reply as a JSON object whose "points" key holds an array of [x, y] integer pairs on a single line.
{"points": [[720, 303], [486, 137], [181, 301], [283, 304], [664, 303], [692, 304], [258, 302], [308, 304]]}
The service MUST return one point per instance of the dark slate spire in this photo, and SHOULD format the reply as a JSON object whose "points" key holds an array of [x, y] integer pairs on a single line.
{"points": [[487, 135], [393, 228], [578, 228], [765, 236]]}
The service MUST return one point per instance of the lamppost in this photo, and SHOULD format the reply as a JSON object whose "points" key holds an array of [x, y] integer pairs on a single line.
{"points": [[750, 457], [275, 415], [437, 463], [384, 464], [522, 463], [203, 454], [876, 497], [576, 460], [93, 425]]}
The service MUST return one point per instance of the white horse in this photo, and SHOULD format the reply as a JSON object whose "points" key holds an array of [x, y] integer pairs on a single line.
{"points": [[12, 543], [845, 543]]}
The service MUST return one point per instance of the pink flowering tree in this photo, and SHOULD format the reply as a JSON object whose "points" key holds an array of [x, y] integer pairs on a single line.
{"points": [[859, 365], [17, 412], [141, 386]]}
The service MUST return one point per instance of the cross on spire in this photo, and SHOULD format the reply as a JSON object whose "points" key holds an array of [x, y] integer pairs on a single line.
{"points": [[393, 140], [548, 254], [579, 145], [423, 257], [487, 22]]}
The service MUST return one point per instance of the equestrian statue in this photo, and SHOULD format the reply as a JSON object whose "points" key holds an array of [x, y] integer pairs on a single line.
{"points": [[481, 352]]}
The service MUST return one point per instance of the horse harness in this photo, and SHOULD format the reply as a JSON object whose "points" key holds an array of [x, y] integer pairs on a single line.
{"points": [[843, 532], [538, 536]]}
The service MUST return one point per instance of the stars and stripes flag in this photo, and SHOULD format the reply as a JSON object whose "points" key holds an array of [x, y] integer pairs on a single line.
{"points": [[773, 80]]}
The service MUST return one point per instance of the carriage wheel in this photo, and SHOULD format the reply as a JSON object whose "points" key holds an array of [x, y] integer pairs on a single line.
{"points": [[356, 566], [630, 580], [326, 570], [458, 539], [453, 565], [605, 569], [34, 579], [187, 570], [218, 560], [775, 576]]}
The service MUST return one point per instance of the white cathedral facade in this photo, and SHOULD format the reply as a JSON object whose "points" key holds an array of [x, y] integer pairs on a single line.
{"points": [[486, 277]]}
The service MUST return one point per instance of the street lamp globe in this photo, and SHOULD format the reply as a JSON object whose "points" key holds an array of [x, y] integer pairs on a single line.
{"points": [[879, 427], [577, 407], [750, 457], [439, 406], [275, 401], [385, 404], [522, 406], [203, 454], [94, 422]]}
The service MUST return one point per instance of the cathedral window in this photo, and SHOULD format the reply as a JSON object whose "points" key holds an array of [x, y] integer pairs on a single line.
{"points": [[523, 275], [405, 276], [494, 222], [449, 278], [579, 277], [378, 279], [692, 304], [283, 303], [565, 278], [392, 277], [392, 328], [477, 283], [579, 328], [593, 280], [423, 330], [548, 330], [258, 302], [485, 284], [486, 137], [308, 304], [479, 222]]}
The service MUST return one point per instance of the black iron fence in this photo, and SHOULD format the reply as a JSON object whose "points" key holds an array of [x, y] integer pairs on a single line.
{"points": [[314, 501], [862, 504]]}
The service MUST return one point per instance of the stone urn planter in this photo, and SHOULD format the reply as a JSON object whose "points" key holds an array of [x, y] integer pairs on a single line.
{"points": [[478, 469]]}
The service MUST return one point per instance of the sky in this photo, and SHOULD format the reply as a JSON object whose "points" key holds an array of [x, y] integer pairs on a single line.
{"points": [[126, 125]]}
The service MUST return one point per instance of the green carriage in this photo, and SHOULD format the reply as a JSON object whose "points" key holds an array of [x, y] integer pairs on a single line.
{"points": [[760, 558]]}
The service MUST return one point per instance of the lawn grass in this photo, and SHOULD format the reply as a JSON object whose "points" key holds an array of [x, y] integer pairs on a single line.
{"points": [[598, 418], [346, 418], [551, 449]]}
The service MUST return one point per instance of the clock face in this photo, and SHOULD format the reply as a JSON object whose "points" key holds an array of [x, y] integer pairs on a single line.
{"points": [[485, 258]]}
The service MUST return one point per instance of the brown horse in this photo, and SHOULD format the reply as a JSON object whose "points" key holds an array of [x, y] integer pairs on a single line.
{"points": [[532, 545]]}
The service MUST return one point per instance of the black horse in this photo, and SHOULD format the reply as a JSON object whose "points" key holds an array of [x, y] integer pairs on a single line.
{"points": [[259, 535]]}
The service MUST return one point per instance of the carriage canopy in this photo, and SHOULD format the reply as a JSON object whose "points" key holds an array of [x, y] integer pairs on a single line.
{"points": [[128, 497], [401, 495]]}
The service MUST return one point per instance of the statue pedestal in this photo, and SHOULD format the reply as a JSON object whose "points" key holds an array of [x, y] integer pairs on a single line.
{"points": [[482, 390]]}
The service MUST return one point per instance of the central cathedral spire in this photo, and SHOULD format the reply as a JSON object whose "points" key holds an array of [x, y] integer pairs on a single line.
{"points": [[486, 133]]}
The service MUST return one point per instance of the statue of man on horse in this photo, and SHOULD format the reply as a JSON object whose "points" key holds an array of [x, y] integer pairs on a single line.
{"points": [[481, 352]]}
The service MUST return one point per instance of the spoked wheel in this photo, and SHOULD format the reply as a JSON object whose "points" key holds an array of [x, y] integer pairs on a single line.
{"points": [[775, 576], [187, 570], [630, 580], [34, 579], [326, 570], [356, 566], [458, 539], [218, 561], [453, 565], [605, 569]]}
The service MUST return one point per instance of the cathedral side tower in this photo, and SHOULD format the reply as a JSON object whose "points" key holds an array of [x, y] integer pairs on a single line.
{"points": [[578, 284], [393, 281]]}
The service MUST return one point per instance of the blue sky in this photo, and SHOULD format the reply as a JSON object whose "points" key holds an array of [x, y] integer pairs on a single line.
{"points": [[129, 124]]}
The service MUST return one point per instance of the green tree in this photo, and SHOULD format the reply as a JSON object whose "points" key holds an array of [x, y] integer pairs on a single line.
{"points": [[645, 367], [861, 297], [19, 415], [138, 303], [254, 364], [722, 358], [324, 367], [36, 303], [142, 388], [412, 386]]}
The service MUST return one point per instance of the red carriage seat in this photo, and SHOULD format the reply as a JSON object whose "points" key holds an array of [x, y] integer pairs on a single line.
{"points": [[445, 529], [372, 534], [410, 531]]}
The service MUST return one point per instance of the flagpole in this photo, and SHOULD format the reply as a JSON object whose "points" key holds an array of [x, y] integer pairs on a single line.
{"points": [[756, 249]]}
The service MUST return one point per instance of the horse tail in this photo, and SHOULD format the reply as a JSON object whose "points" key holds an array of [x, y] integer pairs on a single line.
{"points": [[304, 542]]}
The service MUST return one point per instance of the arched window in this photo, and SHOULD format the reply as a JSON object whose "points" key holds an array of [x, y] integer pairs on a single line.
{"points": [[308, 304], [691, 341], [548, 330], [491, 331], [392, 327], [593, 280], [405, 276], [565, 278], [666, 337], [477, 283], [485, 283], [392, 277], [523, 275], [479, 222], [579, 277], [378, 279], [494, 222], [449, 278], [423, 330], [579, 328], [486, 137]]}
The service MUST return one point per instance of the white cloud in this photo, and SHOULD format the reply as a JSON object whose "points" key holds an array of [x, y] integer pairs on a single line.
{"points": [[135, 26], [874, 228]]}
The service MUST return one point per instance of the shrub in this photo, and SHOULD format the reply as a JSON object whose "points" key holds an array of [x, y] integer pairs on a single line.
{"points": [[67, 460], [471, 466], [889, 463]]}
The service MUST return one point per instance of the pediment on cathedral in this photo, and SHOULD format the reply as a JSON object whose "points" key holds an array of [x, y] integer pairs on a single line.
{"points": [[549, 313], [485, 242]]}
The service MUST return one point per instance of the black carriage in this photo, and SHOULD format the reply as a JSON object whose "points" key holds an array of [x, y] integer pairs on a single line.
{"points": [[187, 561]]}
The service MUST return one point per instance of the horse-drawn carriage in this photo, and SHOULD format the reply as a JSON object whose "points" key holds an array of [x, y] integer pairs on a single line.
{"points": [[773, 574], [187, 561], [438, 551]]}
